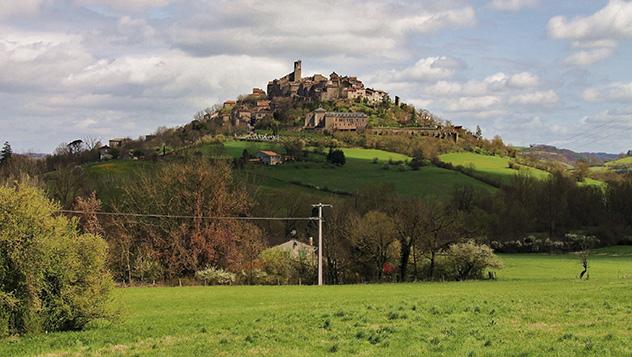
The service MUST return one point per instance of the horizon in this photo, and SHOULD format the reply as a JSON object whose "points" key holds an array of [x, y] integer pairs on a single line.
{"points": [[93, 68]]}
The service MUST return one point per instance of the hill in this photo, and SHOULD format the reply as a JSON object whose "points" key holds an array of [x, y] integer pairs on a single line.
{"points": [[566, 156], [497, 167]]}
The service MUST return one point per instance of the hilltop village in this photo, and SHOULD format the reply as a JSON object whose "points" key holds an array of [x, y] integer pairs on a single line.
{"points": [[334, 103]]}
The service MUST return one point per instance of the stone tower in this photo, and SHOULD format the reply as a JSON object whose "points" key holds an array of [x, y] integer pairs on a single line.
{"points": [[297, 71]]}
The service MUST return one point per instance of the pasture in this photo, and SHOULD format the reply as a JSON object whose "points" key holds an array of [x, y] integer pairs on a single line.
{"points": [[536, 307], [493, 166], [364, 167]]}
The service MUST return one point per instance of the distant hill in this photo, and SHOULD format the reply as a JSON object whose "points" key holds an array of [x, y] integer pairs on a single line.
{"points": [[566, 156]]}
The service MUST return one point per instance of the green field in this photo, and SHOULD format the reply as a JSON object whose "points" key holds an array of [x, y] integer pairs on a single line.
{"points": [[360, 171], [626, 161], [494, 166], [536, 307]]}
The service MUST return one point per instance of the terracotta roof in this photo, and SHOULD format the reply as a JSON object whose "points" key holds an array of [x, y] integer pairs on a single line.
{"points": [[269, 153]]}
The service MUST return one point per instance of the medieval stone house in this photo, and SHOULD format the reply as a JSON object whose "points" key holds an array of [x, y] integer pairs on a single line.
{"points": [[332, 121]]}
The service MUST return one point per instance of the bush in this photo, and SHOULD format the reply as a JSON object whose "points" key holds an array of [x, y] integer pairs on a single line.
{"points": [[215, 276], [470, 260], [52, 277], [336, 157]]}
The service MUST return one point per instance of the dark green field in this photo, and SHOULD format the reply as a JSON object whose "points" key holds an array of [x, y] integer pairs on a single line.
{"points": [[536, 307]]}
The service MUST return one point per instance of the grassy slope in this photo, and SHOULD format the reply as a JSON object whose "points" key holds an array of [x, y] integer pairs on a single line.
{"points": [[360, 171], [626, 161], [494, 166], [537, 307]]}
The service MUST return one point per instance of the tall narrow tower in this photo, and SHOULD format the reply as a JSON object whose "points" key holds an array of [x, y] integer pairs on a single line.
{"points": [[297, 71]]}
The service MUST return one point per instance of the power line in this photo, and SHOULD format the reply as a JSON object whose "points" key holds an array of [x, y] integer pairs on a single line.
{"points": [[600, 138], [586, 132], [155, 215]]}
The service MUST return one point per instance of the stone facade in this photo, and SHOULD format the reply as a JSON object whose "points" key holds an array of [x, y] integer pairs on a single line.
{"points": [[332, 121]]}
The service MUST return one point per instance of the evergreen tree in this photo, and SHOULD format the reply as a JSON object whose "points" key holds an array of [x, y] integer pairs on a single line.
{"points": [[479, 132], [5, 153]]}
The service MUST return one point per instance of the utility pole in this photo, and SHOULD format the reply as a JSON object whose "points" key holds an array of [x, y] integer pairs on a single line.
{"points": [[320, 240]]}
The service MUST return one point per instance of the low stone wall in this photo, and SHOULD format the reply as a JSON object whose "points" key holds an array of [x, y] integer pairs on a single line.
{"points": [[415, 131]]}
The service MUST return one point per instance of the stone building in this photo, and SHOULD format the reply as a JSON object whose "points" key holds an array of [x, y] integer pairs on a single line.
{"points": [[321, 88], [322, 119]]}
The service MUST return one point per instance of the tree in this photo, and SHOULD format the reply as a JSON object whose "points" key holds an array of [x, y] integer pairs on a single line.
{"points": [[75, 147], [442, 226], [469, 260], [88, 220], [5, 153], [52, 277], [336, 157], [373, 240], [409, 216], [195, 188], [418, 159], [582, 169], [479, 132]]}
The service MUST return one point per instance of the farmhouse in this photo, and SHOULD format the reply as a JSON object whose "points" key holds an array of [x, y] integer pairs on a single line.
{"points": [[117, 142], [322, 119], [298, 250], [268, 157], [105, 153]]}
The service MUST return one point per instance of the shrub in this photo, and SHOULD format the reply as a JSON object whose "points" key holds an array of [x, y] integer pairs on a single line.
{"points": [[336, 157], [215, 276], [470, 260], [51, 277]]}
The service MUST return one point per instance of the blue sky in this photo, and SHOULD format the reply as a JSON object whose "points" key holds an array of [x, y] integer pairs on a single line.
{"points": [[532, 71]]}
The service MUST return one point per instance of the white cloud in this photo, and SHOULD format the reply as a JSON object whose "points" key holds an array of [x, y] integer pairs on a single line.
{"points": [[469, 104], [599, 32], [11, 8], [588, 57], [585, 58], [125, 5], [614, 21], [425, 69], [294, 27], [425, 22], [524, 80], [613, 92], [431, 68], [548, 97], [512, 5]]}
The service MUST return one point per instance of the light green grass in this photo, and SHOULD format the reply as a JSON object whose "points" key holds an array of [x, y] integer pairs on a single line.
{"points": [[626, 161], [536, 307], [493, 166]]}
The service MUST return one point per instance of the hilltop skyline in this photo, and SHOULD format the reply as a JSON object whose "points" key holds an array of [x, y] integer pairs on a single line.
{"points": [[532, 72]]}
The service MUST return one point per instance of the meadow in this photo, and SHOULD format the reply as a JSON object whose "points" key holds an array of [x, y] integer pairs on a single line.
{"points": [[536, 307], [493, 166], [364, 167], [626, 161]]}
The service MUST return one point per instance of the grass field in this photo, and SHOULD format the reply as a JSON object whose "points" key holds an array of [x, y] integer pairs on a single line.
{"points": [[536, 307], [360, 171], [626, 161], [493, 166]]}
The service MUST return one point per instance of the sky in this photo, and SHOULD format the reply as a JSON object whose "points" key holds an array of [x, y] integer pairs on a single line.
{"points": [[532, 71]]}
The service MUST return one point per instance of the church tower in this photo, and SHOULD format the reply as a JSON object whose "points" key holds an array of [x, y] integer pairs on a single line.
{"points": [[297, 71]]}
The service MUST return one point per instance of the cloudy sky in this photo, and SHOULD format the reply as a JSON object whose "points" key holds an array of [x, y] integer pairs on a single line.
{"points": [[533, 71]]}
